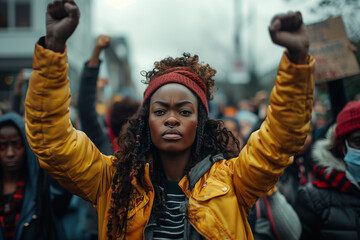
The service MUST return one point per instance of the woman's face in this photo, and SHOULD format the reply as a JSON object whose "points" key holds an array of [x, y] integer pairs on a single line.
{"points": [[12, 150], [173, 118]]}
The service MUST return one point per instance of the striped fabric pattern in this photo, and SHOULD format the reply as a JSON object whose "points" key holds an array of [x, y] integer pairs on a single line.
{"points": [[171, 225], [334, 179]]}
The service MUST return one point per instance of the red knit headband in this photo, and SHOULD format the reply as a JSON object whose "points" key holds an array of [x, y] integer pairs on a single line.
{"points": [[183, 76]]}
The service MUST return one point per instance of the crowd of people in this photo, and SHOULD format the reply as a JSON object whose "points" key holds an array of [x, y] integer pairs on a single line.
{"points": [[174, 166]]}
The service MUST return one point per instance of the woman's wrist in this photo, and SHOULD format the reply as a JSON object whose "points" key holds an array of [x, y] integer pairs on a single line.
{"points": [[298, 57], [94, 60], [54, 44]]}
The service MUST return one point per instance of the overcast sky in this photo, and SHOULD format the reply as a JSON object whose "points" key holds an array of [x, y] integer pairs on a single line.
{"points": [[160, 28]]}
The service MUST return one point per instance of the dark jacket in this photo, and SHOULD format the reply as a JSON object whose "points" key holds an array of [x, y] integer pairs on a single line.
{"points": [[91, 122], [44, 201], [329, 207]]}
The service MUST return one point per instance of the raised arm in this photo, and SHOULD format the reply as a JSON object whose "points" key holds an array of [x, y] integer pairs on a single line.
{"points": [[90, 122], [67, 154], [282, 134], [102, 42]]}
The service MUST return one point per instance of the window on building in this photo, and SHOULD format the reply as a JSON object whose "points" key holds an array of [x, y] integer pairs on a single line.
{"points": [[22, 13], [3, 14], [15, 14]]}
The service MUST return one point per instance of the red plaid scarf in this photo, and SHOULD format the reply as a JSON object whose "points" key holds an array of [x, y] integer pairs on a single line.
{"points": [[332, 179], [10, 212]]}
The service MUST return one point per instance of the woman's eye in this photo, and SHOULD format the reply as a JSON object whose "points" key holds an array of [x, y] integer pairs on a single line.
{"points": [[2, 146], [356, 142], [18, 145], [159, 112], [185, 112]]}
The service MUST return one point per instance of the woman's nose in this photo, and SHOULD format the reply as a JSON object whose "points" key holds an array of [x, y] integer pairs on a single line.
{"points": [[172, 122], [10, 151]]}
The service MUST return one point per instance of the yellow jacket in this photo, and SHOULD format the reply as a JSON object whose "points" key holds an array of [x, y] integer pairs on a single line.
{"points": [[220, 200]]}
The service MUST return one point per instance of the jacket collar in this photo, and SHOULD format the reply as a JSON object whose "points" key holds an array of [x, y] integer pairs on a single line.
{"points": [[185, 184], [197, 172]]}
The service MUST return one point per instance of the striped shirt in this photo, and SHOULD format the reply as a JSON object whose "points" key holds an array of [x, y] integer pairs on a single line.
{"points": [[171, 225]]}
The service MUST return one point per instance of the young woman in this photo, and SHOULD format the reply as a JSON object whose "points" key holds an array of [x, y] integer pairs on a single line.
{"points": [[31, 203], [177, 175]]}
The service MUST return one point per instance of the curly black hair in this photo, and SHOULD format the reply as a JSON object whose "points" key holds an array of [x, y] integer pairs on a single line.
{"points": [[136, 146]]}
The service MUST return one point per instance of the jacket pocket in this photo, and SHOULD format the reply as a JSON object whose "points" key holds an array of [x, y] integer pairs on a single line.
{"points": [[210, 189]]}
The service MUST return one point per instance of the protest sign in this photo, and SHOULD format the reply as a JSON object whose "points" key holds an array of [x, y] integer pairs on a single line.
{"points": [[331, 48]]}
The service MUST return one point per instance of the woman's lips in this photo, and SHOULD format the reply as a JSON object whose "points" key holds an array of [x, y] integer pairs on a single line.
{"points": [[10, 164], [171, 134]]}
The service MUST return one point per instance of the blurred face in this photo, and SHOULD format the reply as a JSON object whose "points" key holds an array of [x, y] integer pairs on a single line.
{"points": [[173, 118], [308, 141], [354, 139], [231, 126], [12, 150]]}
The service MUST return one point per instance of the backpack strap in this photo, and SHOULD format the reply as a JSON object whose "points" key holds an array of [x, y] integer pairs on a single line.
{"points": [[268, 209], [258, 215]]}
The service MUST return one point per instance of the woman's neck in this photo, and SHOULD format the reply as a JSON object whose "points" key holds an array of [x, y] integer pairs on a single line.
{"points": [[174, 164], [9, 182]]}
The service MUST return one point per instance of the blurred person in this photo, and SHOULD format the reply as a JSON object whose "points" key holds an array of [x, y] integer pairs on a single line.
{"points": [[5, 106], [217, 105], [17, 103], [246, 117], [319, 107], [91, 123], [275, 218], [329, 206], [120, 113], [31, 203], [103, 133], [299, 173], [148, 182], [229, 111], [244, 104], [232, 125], [320, 120], [259, 103]]}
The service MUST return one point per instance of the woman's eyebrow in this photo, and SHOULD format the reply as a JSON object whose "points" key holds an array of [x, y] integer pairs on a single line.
{"points": [[163, 103], [184, 102]]}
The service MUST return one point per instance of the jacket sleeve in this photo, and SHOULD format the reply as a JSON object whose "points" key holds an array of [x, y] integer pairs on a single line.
{"points": [[90, 122], [281, 136], [285, 218], [64, 152]]}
